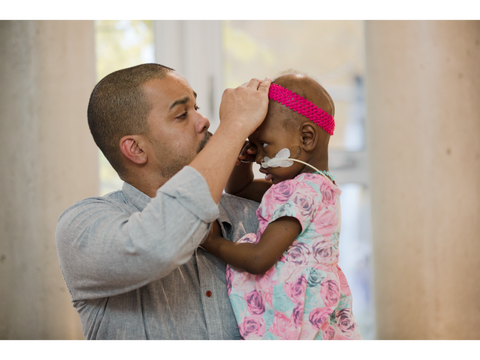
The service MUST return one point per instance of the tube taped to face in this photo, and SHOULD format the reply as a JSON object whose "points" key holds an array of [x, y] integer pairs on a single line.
{"points": [[281, 159]]}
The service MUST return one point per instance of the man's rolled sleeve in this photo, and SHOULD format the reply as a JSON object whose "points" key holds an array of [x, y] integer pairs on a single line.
{"points": [[192, 191], [125, 240]]}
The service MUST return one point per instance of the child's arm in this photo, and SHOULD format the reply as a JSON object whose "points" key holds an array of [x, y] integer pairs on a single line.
{"points": [[255, 258], [241, 182]]}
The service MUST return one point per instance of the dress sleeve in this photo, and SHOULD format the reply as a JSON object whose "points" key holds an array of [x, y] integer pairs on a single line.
{"points": [[291, 198]]}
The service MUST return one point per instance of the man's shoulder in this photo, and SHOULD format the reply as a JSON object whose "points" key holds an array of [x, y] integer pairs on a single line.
{"points": [[89, 208], [116, 199]]}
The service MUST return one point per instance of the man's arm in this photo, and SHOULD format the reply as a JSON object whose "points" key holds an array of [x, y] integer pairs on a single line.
{"points": [[242, 110], [106, 249]]}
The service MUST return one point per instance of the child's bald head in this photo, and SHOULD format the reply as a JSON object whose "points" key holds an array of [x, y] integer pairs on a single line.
{"points": [[297, 124], [309, 89]]}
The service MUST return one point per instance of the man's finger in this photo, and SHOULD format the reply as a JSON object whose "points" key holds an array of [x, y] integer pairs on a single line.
{"points": [[254, 83], [265, 85]]}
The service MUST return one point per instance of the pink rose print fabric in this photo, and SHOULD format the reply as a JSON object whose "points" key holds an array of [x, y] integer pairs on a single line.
{"points": [[305, 295]]}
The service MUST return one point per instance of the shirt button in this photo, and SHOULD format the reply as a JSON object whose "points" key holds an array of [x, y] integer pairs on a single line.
{"points": [[208, 293]]}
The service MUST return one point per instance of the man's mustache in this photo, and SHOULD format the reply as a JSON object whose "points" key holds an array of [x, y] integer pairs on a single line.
{"points": [[204, 142]]}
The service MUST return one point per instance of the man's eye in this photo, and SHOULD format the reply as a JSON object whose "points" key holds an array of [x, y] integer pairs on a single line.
{"points": [[264, 145], [184, 115]]}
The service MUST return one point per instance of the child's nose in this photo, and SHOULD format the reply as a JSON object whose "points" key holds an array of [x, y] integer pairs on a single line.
{"points": [[259, 158]]}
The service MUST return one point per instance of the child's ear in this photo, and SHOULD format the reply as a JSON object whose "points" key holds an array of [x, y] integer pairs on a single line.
{"points": [[309, 136]]}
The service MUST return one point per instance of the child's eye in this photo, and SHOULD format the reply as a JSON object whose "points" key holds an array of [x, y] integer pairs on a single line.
{"points": [[264, 145], [197, 107]]}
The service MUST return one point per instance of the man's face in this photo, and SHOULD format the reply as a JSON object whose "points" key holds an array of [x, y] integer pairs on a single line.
{"points": [[177, 131]]}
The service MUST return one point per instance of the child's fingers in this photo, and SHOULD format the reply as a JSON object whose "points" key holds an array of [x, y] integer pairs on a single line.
{"points": [[249, 146], [244, 150], [246, 153]]}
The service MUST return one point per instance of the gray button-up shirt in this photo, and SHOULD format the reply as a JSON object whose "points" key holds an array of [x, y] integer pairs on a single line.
{"points": [[133, 266]]}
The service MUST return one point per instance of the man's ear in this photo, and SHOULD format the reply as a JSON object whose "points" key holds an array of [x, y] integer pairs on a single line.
{"points": [[131, 147], [309, 136]]}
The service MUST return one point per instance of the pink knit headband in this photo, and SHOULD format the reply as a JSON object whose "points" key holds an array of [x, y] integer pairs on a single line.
{"points": [[302, 106]]}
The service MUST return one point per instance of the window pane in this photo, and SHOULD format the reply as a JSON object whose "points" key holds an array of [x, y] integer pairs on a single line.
{"points": [[328, 51], [355, 254], [120, 44]]}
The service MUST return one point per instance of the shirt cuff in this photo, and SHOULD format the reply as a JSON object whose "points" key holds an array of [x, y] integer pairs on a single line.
{"points": [[191, 190]]}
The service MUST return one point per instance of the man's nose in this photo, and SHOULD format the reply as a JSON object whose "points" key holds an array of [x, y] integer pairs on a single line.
{"points": [[202, 124]]}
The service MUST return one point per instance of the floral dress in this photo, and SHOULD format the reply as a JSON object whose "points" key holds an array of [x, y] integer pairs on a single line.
{"points": [[305, 295]]}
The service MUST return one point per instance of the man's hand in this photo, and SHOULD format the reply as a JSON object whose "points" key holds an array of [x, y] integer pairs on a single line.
{"points": [[242, 110], [245, 107]]}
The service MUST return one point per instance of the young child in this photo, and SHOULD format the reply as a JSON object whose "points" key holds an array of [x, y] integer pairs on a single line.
{"points": [[284, 282]]}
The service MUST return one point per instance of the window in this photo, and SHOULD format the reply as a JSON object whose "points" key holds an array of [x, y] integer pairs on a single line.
{"points": [[120, 44]]}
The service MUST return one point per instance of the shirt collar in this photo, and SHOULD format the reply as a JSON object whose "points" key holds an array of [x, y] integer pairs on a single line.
{"points": [[139, 199]]}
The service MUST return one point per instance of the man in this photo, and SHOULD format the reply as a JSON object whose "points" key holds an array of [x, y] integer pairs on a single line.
{"points": [[131, 259]]}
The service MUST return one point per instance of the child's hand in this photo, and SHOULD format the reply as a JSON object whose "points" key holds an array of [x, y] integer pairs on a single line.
{"points": [[213, 235], [247, 154]]}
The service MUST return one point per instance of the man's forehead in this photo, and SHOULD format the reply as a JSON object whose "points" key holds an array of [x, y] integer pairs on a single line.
{"points": [[181, 101], [172, 90]]}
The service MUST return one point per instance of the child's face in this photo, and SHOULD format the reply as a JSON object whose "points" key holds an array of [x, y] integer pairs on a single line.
{"points": [[271, 137]]}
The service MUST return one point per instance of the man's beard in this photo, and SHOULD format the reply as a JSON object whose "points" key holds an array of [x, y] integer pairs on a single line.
{"points": [[176, 161], [207, 137]]}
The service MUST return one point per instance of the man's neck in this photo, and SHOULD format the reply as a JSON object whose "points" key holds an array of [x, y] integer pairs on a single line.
{"points": [[146, 183]]}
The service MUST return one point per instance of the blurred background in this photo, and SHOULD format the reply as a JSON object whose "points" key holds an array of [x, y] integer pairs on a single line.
{"points": [[405, 152]]}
